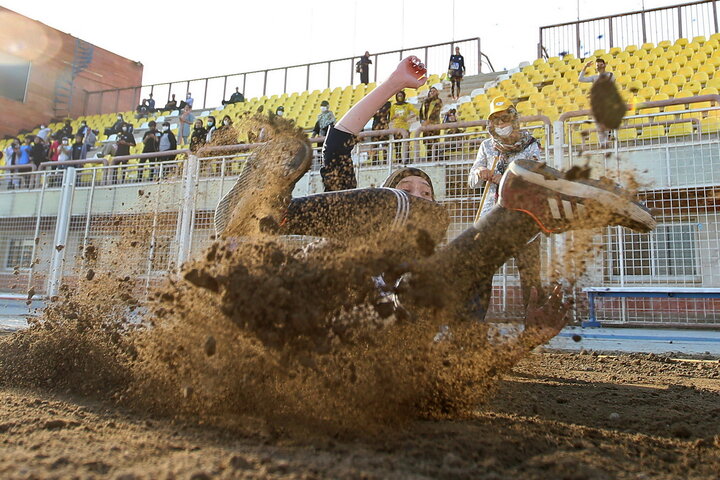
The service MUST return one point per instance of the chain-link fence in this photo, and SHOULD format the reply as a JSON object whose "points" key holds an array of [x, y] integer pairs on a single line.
{"points": [[55, 225]]}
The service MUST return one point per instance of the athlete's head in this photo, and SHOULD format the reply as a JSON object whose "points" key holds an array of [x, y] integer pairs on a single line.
{"points": [[413, 181]]}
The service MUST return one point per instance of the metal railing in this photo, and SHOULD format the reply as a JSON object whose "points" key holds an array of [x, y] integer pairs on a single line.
{"points": [[169, 217], [582, 38], [209, 92]]}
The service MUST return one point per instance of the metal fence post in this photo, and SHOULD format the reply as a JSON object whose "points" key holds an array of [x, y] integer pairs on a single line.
{"points": [[558, 141], [61, 231], [187, 213]]}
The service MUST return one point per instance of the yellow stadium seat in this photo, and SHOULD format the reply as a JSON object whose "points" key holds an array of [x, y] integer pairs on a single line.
{"points": [[699, 40], [625, 134], [693, 46], [633, 73], [680, 129], [674, 49], [659, 96], [642, 65], [634, 86], [715, 36], [647, 46], [631, 48], [664, 75], [686, 72], [682, 41], [655, 83], [708, 91], [646, 92], [669, 89], [693, 86], [665, 44], [652, 131], [644, 77], [710, 124], [678, 80], [714, 82], [707, 68], [700, 77]]}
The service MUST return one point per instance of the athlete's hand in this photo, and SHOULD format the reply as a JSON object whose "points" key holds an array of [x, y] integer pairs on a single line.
{"points": [[410, 73], [546, 320]]}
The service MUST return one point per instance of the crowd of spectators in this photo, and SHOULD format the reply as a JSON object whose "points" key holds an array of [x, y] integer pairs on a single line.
{"points": [[64, 144]]}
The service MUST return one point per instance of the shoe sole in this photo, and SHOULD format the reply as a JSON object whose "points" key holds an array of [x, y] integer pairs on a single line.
{"points": [[294, 170], [635, 213]]}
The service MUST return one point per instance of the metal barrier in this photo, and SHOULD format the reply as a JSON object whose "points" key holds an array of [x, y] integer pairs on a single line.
{"points": [[167, 218], [211, 91], [653, 25], [674, 161]]}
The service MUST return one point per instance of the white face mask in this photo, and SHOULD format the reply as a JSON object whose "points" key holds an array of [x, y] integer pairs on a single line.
{"points": [[323, 109], [226, 122], [504, 131], [124, 129], [280, 113]]}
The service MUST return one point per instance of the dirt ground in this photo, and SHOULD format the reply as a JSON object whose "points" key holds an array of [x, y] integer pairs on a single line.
{"points": [[560, 416]]}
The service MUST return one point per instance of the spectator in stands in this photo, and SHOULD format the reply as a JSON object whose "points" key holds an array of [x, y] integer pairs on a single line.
{"points": [[151, 144], [430, 115], [66, 130], [89, 140], [198, 136], [226, 133], [82, 128], [9, 151], [116, 127], [125, 140], [151, 103], [187, 102], [507, 143], [280, 111], [211, 128], [451, 144], [39, 151], [77, 147], [380, 121], [65, 152], [236, 97], [53, 150], [326, 119], [402, 112], [167, 142], [44, 133], [171, 104], [25, 151], [603, 133], [142, 110], [186, 119], [469, 260], [456, 71], [363, 68]]}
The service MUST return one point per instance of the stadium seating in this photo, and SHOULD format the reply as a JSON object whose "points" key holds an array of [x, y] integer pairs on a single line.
{"points": [[679, 69]]}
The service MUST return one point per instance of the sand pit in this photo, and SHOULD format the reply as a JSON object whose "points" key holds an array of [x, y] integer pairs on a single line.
{"points": [[555, 416]]}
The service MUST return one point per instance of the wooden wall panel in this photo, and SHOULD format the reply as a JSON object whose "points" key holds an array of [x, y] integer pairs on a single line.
{"points": [[51, 52]]}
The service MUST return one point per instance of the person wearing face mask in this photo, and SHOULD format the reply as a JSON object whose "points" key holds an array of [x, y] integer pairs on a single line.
{"points": [[507, 143], [326, 119], [211, 127], [280, 111], [226, 133], [116, 127], [406, 200], [197, 138], [167, 142], [125, 140]]}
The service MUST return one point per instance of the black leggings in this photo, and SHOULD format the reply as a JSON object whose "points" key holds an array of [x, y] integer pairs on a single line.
{"points": [[471, 259]]}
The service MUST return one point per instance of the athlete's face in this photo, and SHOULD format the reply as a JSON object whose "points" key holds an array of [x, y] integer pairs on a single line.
{"points": [[416, 186]]}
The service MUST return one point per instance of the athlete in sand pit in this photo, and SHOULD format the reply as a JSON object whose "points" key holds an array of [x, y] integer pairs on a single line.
{"points": [[529, 198]]}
